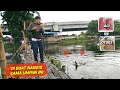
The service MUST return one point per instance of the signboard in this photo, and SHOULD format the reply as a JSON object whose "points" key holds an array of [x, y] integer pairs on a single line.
{"points": [[0, 73], [105, 24], [24, 70], [107, 43]]}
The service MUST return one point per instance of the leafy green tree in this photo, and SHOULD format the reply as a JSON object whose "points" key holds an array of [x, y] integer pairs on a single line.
{"points": [[15, 21], [116, 28], [93, 28], [73, 34]]}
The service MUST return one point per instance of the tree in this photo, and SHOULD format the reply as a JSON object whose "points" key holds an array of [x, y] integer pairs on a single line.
{"points": [[116, 28], [93, 28], [15, 21], [73, 34]]}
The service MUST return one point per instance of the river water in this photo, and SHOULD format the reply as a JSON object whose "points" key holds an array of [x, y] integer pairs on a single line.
{"points": [[92, 65]]}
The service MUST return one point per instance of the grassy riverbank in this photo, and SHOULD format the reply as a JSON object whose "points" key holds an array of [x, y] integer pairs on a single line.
{"points": [[69, 42], [82, 39]]}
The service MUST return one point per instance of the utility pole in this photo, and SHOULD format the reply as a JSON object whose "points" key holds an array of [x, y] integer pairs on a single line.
{"points": [[2, 56]]}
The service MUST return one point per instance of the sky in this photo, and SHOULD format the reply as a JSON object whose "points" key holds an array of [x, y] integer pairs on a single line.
{"points": [[64, 16]]}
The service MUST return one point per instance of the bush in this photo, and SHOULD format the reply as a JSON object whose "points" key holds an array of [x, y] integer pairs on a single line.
{"points": [[57, 63], [52, 60]]}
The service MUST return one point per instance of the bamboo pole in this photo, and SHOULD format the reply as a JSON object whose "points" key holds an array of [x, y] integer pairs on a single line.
{"points": [[2, 56], [25, 37]]}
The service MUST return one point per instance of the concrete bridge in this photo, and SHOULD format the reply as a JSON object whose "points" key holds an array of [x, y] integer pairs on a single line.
{"points": [[66, 26]]}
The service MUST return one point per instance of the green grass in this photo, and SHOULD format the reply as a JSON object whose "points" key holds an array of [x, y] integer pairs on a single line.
{"points": [[69, 42], [80, 40]]}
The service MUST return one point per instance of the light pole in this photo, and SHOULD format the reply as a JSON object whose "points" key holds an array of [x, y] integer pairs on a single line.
{"points": [[2, 56], [61, 33]]}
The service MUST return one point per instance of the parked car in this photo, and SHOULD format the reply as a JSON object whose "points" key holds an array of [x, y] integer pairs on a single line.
{"points": [[7, 36]]}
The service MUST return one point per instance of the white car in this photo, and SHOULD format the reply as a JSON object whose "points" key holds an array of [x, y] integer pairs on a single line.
{"points": [[7, 36]]}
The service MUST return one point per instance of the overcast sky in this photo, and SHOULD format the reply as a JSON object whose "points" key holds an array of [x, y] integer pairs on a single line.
{"points": [[63, 16]]}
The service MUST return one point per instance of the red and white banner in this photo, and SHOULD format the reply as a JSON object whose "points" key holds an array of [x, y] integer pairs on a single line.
{"points": [[105, 24]]}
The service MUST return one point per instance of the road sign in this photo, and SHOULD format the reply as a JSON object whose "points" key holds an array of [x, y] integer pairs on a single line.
{"points": [[105, 24], [107, 43]]}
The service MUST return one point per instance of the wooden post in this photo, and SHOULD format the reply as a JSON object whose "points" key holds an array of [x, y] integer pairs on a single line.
{"points": [[2, 56], [25, 37]]}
